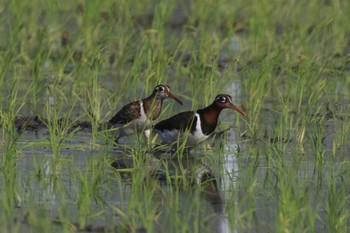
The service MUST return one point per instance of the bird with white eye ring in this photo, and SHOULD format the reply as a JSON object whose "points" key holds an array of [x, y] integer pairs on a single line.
{"points": [[197, 126], [138, 115]]}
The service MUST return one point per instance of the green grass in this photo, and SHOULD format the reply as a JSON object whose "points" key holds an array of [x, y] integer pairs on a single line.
{"points": [[69, 62]]}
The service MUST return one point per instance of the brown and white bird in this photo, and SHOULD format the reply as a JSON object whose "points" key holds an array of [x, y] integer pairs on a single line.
{"points": [[138, 115], [194, 127]]}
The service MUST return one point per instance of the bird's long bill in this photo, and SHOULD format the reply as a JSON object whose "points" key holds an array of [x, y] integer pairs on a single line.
{"points": [[234, 107], [175, 98]]}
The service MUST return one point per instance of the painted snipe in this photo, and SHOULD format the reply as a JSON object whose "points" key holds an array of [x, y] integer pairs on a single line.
{"points": [[138, 115], [198, 126]]}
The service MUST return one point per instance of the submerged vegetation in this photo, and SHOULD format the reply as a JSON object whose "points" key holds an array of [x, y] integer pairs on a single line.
{"points": [[68, 66]]}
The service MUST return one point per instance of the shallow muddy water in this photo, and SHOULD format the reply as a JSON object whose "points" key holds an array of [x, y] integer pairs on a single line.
{"points": [[46, 190], [248, 178], [43, 191]]}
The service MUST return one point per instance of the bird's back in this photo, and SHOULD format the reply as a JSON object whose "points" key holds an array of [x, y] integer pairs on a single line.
{"points": [[127, 114], [182, 121]]}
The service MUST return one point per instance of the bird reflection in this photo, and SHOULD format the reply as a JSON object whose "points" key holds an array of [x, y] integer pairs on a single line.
{"points": [[189, 174]]}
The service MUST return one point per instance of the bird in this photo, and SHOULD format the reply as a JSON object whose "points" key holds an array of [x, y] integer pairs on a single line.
{"points": [[138, 115], [194, 127]]}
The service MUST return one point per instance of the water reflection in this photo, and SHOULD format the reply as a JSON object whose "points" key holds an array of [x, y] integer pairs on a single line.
{"points": [[187, 175]]}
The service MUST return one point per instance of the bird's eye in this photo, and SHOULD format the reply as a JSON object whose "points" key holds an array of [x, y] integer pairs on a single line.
{"points": [[221, 99], [160, 89]]}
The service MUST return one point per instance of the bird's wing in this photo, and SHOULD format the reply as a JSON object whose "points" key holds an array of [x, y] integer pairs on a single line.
{"points": [[128, 113], [182, 121]]}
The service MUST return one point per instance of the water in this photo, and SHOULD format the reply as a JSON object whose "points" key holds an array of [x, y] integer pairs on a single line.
{"points": [[247, 183], [41, 191]]}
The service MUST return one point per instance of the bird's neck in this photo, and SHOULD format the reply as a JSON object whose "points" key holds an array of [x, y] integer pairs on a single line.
{"points": [[152, 106], [209, 118]]}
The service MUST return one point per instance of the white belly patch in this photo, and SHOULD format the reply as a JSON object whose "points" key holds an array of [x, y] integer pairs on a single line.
{"points": [[171, 136]]}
